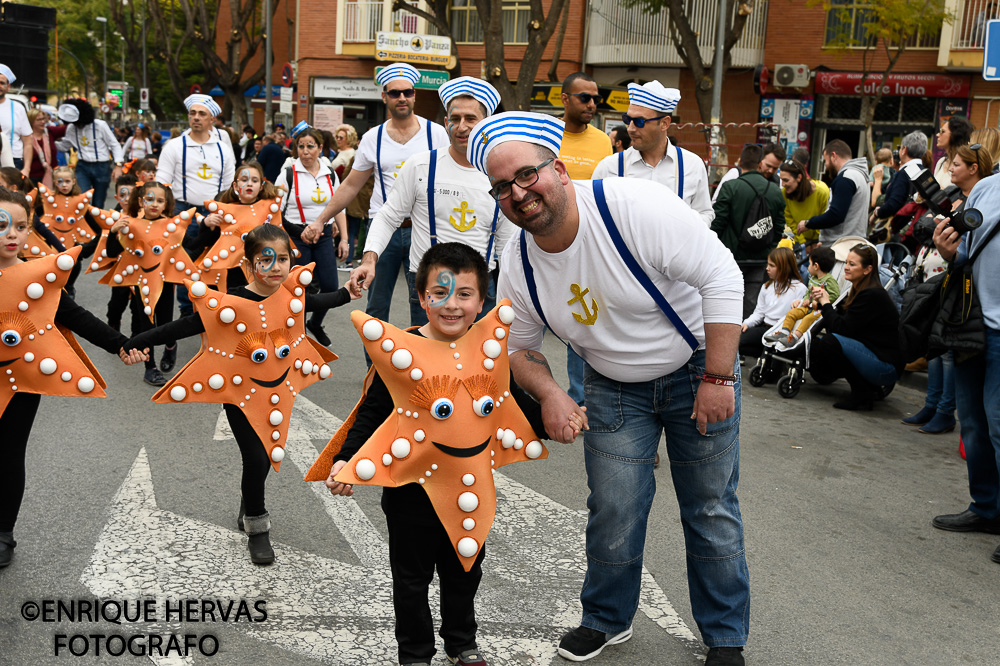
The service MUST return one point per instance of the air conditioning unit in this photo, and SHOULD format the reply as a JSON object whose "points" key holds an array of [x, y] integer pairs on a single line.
{"points": [[791, 76]]}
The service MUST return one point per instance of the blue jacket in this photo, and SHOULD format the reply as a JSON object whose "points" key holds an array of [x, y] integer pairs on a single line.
{"points": [[985, 196]]}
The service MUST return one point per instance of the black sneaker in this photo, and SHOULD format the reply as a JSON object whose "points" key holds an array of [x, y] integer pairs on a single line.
{"points": [[318, 333], [584, 643], [169, 359], [724, 656], [154, 377], [7, 544]]}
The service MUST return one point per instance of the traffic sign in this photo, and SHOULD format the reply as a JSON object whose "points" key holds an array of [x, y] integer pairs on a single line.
{"points": [[195, 89], [287, 75], [144, 99], [429, 79], [413, 48], [991, 52]]}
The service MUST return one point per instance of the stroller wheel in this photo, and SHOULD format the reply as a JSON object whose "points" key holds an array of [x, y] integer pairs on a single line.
{"points": [[883, 391], [757, 376], [788, 386]]}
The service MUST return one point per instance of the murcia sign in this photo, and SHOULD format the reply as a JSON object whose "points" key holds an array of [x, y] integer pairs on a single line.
{"points": [[413, 48]]}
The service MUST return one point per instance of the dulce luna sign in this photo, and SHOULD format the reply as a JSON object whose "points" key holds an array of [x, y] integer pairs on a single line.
{"points": [[894, 85]]}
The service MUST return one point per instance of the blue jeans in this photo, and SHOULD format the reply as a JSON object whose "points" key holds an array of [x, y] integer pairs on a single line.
{"points": [[395, 255], [626, 420], [183, 300], [977, 385], [325, 256], [418, 316], [96, 176], [874, 370], [574, 368], [941, 384]]}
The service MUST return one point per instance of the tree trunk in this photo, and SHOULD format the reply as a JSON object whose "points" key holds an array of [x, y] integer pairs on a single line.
{"points": [[557, 49]]}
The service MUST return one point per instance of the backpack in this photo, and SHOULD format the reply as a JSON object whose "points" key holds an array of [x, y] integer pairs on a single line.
{"points": [[758, 227]]}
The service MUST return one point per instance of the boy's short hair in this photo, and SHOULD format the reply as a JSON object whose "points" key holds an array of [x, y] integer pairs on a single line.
{"points": [[824, 257], [126, 179], [456, 257]]}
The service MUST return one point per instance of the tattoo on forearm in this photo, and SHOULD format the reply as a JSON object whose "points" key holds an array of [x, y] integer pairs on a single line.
{"points": [[540, 360]]}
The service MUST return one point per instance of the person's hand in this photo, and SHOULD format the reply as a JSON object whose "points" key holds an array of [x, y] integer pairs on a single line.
{"points": [[27, 170], [342, 249], [873, 216], [820, 296], [557, 407], [743, 329], [578, 421], [133, 356], [946, 240], [802, 227], [797, 303], [212, 220], [312, 233], [354, 290], [120, 225], [877, 173], [363, 276], [336, 487], [116, 174], [713, 403]]}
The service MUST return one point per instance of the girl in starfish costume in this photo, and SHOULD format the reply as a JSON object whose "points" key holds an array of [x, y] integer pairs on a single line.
{"points": [[38, 354], [255, 358], [41, 242], [250, 202], [66, 213]]}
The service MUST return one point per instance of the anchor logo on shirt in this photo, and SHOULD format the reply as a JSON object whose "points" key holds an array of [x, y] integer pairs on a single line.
{"points": [[588, 317], [395, 169], [462, 225], [204, 172], [84, 141], [318, 196]]}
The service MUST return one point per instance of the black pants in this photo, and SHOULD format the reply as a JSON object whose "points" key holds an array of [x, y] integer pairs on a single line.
{"points": [[120, 296], [163, 313], [15, 425], [754, 277], [256, 464], [750, 344], [828, 363], [416, 547]]}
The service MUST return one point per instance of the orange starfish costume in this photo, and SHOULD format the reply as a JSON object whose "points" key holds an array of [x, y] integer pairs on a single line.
{"points": [[446, 395], [36, 354], [255, 355], [64, 216], [35, 246], [237, 221], [107, 219]]}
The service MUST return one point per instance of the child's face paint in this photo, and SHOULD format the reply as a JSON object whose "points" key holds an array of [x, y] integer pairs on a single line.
{"points": [[146, 176], [451, 302], [13, 231], [154, 202], [247, 185], [271, 265], [65, 184], [122, 194]]}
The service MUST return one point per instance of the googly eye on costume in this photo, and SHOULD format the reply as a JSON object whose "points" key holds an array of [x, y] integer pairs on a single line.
{"points": [[483, 406], [139, 253], [258, 355], [442, 408], [157, 249], [283, 351], [10, 338]]}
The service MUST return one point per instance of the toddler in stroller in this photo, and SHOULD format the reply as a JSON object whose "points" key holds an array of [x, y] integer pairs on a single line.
{"points": [[806, 310]]}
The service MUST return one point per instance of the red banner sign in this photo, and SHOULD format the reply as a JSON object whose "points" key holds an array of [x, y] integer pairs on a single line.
{"points": [[895, 85]]}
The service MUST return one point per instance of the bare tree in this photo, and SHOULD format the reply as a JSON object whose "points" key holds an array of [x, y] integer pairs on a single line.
{"points": [[438, 17]]}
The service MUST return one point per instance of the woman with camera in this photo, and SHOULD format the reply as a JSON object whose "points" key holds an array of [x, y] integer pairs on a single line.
{"points": [[969, 165]]}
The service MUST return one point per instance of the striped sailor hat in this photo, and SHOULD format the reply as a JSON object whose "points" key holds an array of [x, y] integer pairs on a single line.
{"points": [[480, 90], [398, 70], [204, 100], [654, 96], [299, 129], [536, 128]]}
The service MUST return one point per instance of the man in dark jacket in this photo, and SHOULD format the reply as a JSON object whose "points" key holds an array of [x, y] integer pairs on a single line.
{"points": [[900, 189], [271, 157], [735, 198]]}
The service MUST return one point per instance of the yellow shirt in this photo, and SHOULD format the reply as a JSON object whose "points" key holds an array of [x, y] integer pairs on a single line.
{"points": [[815, 204], [581, 151]]}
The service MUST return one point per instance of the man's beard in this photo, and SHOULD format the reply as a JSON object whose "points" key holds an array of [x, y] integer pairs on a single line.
{"points": [[400, 114]]}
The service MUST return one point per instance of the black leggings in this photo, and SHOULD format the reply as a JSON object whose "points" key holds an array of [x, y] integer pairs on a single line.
{"points": [[162, 314], [15, 424], [750, 340], [256, 463]]}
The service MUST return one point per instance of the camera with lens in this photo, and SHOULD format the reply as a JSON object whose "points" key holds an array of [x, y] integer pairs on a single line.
{"points": [[942, 202]]}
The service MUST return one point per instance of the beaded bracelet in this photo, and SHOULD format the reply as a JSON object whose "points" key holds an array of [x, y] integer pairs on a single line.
{"points": [[719, 380]]}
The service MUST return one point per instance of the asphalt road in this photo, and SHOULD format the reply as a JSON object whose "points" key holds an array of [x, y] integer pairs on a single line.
{"points": [[129, 500]]}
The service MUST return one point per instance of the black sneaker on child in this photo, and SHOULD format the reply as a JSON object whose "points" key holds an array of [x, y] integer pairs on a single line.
{"points": [[154, 377], [169, 359], [7, 544], [724, 656], [318, 333], [584, 643]]}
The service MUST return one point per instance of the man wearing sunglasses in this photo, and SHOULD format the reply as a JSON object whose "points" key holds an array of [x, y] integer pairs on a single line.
{"points": [[650, 298], [652, 156], [383, 150]]}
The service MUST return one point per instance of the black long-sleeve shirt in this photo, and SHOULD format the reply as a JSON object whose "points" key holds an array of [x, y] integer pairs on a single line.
{"points": [[872, 320], [80, 321]]}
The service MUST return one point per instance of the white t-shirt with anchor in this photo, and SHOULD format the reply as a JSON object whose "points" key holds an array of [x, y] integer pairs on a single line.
{"points": [[393, 155], [462, 204], [310, 197], [195, 171], [593, 301]]}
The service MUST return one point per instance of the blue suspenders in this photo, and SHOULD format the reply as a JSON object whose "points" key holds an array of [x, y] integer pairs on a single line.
{"points": [[378, 155], [184, 167], [626, 255], [680, 169], [432, 217], [93, 133]]}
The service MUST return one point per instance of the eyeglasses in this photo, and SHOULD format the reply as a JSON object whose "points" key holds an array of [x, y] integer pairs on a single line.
{"points": [[587, 98], [975, 148], [524, 180], [396, 94], [640, 122], [308, 146]]}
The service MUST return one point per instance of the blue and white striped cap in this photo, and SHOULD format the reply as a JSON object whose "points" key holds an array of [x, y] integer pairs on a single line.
{"points": [[654, 96], [398, 70], [536, 128], [480, 90], [299, 129], [204, 100]]}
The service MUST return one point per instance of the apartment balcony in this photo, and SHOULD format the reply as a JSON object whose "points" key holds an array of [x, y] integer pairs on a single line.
{"points": [[359, 20], [962, 40], [628, 37]]}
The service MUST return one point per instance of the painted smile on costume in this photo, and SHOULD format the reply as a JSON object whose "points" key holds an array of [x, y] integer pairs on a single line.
{"points": [[270, 384], [463, 453], [3, 363]]}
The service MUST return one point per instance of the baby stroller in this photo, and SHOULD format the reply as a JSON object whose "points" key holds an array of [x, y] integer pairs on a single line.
{"points": [[776, 357]]}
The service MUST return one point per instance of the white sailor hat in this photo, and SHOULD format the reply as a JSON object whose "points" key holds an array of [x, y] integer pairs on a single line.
{"points": [[205, 101], [299, 129], [8, 72], [398, 70], [653, 95], [478, 89], [536, 128], [68, 113]]}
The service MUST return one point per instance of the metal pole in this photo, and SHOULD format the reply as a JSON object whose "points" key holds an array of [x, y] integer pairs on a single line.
{"points": [[268, 118], [144, 45], [124, 81], [105, 40], [715, 154]]}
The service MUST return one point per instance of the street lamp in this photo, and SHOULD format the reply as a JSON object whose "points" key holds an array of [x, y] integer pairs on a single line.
{"points": [[104, 40]]}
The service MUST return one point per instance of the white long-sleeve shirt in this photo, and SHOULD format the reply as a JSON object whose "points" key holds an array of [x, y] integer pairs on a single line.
{"points": [[312, 194], [665, 172], [210, 167], [593, 301], [14, 125], [137, 150], [463, 208], [93, 143], [772, 308]]}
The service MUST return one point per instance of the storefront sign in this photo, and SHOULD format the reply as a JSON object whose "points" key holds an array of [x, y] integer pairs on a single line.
{"points": [[412, 48], [325, 88], [429, 79], [328, 116], [895, 85]]}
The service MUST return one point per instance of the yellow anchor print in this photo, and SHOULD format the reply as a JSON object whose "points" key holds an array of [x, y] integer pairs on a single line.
{"points": [[462, 225], [204, 172], [84, 141], [395, 169], [318, 196], [588, 317]]}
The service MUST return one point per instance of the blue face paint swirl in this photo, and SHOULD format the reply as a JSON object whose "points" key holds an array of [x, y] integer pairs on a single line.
{"points": [[266, 263], [445, 279], [6, 221]]}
